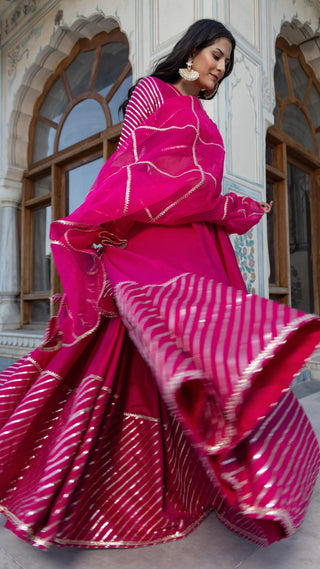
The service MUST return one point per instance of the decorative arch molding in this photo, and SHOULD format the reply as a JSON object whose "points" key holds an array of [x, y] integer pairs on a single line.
{"points": [[292, 161], [35, 78], [308, 41]]}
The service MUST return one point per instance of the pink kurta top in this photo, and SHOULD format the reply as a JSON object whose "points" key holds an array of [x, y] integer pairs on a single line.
{"points": [[157, 253]]}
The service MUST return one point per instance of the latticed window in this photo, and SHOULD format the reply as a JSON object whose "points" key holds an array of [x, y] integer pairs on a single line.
{"points": [[293, 182], [75, 128]]}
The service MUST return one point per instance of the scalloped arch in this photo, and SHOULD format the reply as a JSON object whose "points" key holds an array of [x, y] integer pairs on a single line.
{"points": [[302, 35], [35, 77]]}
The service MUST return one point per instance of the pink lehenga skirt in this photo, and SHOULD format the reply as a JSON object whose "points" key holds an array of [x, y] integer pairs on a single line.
{"points": [[133, 434]]}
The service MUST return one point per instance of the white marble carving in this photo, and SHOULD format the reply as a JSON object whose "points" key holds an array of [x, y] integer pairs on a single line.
{"points": [[15, 345], [244, 120], [9, 269]]}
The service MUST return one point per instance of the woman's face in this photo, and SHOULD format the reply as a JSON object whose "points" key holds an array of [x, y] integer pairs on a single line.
{"points": [[211, 63]]}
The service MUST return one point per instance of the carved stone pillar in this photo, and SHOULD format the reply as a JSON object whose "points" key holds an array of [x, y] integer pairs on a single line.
{"points": [[10, 198]]}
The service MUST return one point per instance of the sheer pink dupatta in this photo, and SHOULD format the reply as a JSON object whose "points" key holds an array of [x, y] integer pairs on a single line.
{"points": [[168, 173]]}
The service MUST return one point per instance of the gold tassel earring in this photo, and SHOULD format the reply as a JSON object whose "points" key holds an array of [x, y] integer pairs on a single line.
{"points": [[188, 73]]}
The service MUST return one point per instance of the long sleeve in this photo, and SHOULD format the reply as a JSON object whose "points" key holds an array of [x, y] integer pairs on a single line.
{"points": [[239, 213], [145, 99]]}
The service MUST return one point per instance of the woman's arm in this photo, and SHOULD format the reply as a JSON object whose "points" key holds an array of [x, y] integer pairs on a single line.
{"points": [[239, 213]]}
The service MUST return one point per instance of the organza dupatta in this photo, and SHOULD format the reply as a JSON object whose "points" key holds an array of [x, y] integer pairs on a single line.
{"points": [[169, 173]]}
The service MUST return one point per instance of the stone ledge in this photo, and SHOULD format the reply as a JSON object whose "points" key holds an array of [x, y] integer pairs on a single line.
{"points": [[16, 344]]}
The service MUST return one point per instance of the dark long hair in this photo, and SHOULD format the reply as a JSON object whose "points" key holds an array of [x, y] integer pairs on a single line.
{"points": [[199, 35]]}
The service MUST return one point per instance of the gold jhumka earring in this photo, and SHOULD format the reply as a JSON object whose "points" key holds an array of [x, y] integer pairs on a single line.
{"points": [[188, 73]]}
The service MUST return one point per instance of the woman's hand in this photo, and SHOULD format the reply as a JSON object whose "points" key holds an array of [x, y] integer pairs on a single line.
{"points": [[267, 207]]}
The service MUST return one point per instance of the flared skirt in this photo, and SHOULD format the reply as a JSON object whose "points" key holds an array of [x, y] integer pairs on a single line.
{"points": [[132, 435]]}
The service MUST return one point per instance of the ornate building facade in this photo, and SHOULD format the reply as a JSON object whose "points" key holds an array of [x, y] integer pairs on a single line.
{"points": [[64, 69]]}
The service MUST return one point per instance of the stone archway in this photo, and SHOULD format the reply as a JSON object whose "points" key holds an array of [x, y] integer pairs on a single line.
{"points": [[30, 89], [302, 35], [35, 78], [293, 151], [309, 43]]}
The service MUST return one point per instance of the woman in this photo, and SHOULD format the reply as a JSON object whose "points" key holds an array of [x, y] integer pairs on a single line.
{"points": [[160, 391]]}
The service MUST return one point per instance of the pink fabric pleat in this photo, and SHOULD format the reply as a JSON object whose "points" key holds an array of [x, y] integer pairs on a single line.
{"points": [[89, 455], [223, 360]]}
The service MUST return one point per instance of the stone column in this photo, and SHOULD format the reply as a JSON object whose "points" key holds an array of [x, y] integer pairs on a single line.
{"points": [[10, 198]]}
